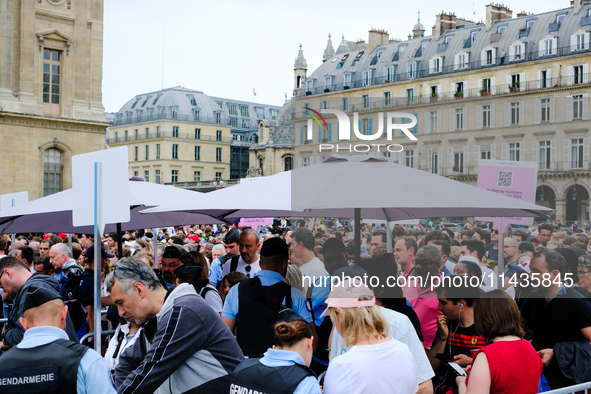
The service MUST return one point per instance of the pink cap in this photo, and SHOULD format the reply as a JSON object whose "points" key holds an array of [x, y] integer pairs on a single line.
{"points": [[347, 296]]}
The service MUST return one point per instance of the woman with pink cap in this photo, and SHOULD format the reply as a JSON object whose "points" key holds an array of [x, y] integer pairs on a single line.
{"points": [[375, 363]]}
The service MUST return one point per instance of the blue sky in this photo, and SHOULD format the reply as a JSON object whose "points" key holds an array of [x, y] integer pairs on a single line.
{"points": [[226, 49]]}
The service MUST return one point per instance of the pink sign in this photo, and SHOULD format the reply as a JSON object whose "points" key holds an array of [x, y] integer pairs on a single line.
{"points": [[516, 179], [254, 222]]}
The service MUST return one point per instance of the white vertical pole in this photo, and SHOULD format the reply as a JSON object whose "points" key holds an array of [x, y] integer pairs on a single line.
{"points": [[97, 255], [155, 241]]}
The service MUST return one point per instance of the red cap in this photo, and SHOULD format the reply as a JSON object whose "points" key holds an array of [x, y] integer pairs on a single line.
{"points": [[194, 237]]}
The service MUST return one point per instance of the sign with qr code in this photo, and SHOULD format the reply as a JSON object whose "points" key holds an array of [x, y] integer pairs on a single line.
{"points": [[515, 179], [505, 179]]}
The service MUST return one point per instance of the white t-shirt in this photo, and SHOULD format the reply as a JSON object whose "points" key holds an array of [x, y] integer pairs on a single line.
{"points": [[402, 330], [254, 267], [370, 369], [213, 298], [313, 269]]}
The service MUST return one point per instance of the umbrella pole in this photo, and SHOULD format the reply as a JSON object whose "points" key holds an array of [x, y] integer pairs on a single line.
{"points": [[155, 240], [501, 261], [70, 242], [97, 255], [389, 237], [119, 242], [13, 246], [357, 235]]}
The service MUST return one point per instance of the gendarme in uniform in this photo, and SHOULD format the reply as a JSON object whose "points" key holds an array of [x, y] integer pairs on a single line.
{"points": [[46, 361]]}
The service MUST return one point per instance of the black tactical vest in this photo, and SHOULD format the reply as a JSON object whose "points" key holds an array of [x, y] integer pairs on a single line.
{"points": [[252, 375], [258, 307], [50, 368]]}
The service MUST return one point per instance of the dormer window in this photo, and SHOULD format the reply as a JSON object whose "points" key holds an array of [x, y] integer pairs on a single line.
{"points": [[447, 39], [501, 29], [359, 55], [529, 24], [345, 57], [473, 35], [560, 18]]}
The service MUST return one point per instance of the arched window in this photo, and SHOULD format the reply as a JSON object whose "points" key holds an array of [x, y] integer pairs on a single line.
{"points": [[52, 171], [288, 163]]}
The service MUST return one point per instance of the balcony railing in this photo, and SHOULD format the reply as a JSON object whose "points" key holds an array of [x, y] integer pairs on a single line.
{"points": [[134, 119], [527, 56], [585, 21], [523, 33], [166, 134], [442, 47], [553, 27], [375, 103], [204, 185]]}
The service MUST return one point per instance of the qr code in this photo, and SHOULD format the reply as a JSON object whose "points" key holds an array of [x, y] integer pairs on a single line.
{"points": [[505, 179]]}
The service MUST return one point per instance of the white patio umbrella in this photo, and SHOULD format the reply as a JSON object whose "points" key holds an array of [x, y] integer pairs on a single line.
{"points": [[358, 186], [54, 213]]}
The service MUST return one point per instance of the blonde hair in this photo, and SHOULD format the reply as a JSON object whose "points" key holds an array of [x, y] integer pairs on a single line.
{"points": [[145, 244], [294, 277], [146, 255], [361, 323]]}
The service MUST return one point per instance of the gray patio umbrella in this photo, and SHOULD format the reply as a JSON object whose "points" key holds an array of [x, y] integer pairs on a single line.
{"points": [[359, 186], [54, 213]]}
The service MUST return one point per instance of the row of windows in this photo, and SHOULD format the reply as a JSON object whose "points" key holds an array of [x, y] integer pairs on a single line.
{"points": [[174, 176], [514, 115], [174, 134], [175, 153], [576, 155]]}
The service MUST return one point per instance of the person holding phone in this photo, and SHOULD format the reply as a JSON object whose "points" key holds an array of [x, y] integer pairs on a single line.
{"points": [[497, 318]]}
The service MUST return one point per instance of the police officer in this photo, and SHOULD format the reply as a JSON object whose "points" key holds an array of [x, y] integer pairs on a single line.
{"points": [[232, 251], [46, 361], [254, 304], [284, 367]]}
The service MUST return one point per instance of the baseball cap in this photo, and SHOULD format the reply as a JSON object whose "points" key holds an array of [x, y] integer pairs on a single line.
{"points": [[347, 296], [233, 235], [37, 296], [532, 238], [526, 246], [199, 232], [194, 237], [89, 254], [287, 315], [175, 251], [469, 258]]}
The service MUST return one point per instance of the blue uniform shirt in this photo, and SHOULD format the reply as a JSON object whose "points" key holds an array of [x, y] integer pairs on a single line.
{"points": [[93, 375], [284, 358], [320, 293], [215, 272], [299, 303]]}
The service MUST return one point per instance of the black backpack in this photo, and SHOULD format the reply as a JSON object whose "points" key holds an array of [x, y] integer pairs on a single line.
{"points": [[70, 292], [234, 262]]}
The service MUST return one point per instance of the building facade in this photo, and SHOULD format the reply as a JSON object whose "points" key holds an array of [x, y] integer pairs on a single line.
{"points": [[51, 107], [507, 88], [184, 137]]}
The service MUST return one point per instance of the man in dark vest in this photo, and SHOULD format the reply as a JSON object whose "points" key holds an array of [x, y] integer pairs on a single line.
{"points": [[16, 278], [45, 361], [254, 304], [283, 369]]}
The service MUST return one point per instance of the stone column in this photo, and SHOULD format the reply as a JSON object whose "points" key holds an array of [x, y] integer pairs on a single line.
{"points": [[561, 210]]}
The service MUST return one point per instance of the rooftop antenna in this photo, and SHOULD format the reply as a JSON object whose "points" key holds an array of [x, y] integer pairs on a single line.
{"points": [[474, 9]]}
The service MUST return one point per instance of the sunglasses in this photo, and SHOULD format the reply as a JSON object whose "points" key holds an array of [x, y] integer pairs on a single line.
{"points": [[126, 269], [496, 232]]}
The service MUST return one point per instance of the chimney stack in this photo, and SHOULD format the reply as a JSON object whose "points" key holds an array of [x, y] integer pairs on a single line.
{"points": [[360, 45], [496, 12], [377, 37]]}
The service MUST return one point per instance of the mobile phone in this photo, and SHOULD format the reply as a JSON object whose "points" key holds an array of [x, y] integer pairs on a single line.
{"points": [[444, 356], [459, 370]]}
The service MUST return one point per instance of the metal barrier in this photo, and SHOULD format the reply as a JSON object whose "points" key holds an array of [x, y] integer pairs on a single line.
{"points": [[572, 389], [107, 333]]}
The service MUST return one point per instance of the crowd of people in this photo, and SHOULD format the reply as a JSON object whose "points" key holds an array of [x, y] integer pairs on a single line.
{"points": [[221, 308]]}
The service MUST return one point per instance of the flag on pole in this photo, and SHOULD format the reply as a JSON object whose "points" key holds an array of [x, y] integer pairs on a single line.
{"points": [[254, 92]]}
